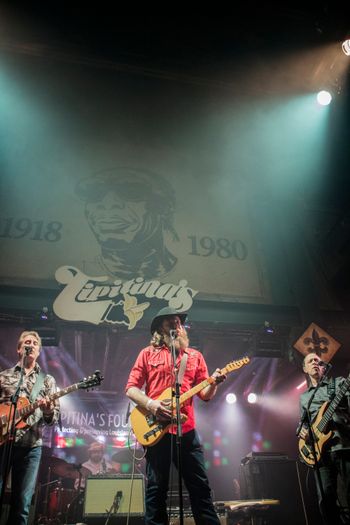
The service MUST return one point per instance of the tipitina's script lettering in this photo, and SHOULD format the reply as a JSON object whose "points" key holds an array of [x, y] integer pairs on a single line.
{"points": [[95, 300]]}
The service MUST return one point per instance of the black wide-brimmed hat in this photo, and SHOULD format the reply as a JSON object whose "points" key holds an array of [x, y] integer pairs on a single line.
{"points": [[165, 312]]}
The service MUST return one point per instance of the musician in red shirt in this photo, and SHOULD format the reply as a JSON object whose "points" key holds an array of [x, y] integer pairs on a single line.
{"points": [[154, 370]]}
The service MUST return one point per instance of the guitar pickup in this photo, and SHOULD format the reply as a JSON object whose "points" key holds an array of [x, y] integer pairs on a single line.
{"points": [[307, 452]]}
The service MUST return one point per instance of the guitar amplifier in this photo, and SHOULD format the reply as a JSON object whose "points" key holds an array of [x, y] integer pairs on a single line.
{"points": [[121, 491], [274, 476]]}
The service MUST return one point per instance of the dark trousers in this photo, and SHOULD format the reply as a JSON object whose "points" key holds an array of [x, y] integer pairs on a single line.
{"points": [[335, 477], [25, 466], [158, 459]]}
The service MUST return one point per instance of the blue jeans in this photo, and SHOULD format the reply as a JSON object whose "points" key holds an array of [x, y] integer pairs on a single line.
{"points": [[25, 466], [158, 460]]}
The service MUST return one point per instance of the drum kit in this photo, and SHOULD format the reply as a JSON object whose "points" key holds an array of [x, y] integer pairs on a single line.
{"points": [[62, 496], [62, 504]]}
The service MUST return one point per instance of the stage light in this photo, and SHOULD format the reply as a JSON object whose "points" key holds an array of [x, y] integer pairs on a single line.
{"points": [[268, 328], [324, 98], [301, 385], [231, 398], [252, 398], [44, 314], [346, 47]]}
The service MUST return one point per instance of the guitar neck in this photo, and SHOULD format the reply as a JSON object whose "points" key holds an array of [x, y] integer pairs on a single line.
{"points": [[28, 409], [210, 380], [327, 416]]}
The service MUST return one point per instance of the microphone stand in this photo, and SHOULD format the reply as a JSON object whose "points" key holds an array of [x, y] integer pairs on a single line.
{"points": [[8, 448], [178, 424], [308, 423]]}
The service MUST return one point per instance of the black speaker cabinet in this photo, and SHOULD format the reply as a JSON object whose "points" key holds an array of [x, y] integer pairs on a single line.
{"points": [[102, 492], [277, 477]]}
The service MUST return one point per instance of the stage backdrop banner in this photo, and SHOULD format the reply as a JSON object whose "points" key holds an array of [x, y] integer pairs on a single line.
{"points": [[151, 221]]}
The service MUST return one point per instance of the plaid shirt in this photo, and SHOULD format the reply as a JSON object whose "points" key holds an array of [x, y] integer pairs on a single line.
{"points": [[32, 435]]}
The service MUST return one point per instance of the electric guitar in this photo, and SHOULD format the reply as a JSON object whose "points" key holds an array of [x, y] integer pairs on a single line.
{"points": [[148, 430], [319, 427], [25, 408]]}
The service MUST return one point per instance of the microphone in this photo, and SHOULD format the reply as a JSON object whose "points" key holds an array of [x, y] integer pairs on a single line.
{"points": [[324, 364], [117, 500], [173, 334], [27, 349]]}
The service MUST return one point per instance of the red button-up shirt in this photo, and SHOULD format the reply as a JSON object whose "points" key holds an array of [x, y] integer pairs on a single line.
{"points": [[153, 368]]}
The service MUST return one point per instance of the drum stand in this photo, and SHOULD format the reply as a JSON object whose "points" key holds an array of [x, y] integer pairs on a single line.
{"points": [[44, 518]]}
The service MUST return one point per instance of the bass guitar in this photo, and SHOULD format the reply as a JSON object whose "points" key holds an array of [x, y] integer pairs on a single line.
{"points": [[148, 430], [25, 408], [320, 428]]}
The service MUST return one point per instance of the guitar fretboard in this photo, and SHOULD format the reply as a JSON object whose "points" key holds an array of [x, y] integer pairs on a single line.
{"points": [[230, 367], [327, 416], [28, 409]]}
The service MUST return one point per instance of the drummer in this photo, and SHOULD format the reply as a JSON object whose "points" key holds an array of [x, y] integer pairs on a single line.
{"points": [[96, 465]]}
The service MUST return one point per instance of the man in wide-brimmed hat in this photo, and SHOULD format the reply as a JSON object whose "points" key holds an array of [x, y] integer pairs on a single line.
{"points": [[155, 371]]}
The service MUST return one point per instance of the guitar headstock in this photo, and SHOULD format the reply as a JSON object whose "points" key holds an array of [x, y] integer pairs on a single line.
{"points": [[234, 365], [90, 382]]}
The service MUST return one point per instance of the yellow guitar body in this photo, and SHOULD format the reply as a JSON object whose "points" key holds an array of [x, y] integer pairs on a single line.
{"points": [[147, 429], [321, 439]]}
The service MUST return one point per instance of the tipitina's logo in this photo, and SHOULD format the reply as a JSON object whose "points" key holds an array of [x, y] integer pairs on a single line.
{"points": [[95, 300]]}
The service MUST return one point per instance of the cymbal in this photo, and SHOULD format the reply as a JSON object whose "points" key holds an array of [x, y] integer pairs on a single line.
{"points": [[62, 468]]}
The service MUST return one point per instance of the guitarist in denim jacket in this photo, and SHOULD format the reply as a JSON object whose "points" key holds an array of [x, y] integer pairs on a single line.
{"points": [[153, 369], [26, 452], [334, 463]]}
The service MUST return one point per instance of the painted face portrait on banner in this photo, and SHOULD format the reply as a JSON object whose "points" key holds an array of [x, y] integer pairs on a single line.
{"points": [[129, 211]]}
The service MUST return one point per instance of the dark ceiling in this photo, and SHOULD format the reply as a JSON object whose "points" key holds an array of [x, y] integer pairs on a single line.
{"points": [[177, 38]]}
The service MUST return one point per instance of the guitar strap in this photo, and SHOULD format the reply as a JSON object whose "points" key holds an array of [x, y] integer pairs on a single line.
{"points": [[331, 389], [183, 364], [37, 387]]}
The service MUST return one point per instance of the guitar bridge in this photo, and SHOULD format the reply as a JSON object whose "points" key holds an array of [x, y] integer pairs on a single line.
{"points": [[153, 432]]}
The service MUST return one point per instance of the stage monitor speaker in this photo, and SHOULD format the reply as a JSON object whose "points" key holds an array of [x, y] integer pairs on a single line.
{"points": [[275, 477], [102, 492]]}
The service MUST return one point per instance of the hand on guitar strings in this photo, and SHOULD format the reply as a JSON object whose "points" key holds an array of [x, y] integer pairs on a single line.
{"points": [[304, 433], [160, 409]]}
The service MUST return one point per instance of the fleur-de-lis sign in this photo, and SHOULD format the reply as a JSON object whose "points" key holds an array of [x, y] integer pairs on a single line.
{"points": [[316, 343], [316, 339]]}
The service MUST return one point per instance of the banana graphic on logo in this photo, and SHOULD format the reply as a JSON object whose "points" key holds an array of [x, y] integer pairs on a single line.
{"points": [[132, 310]]}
